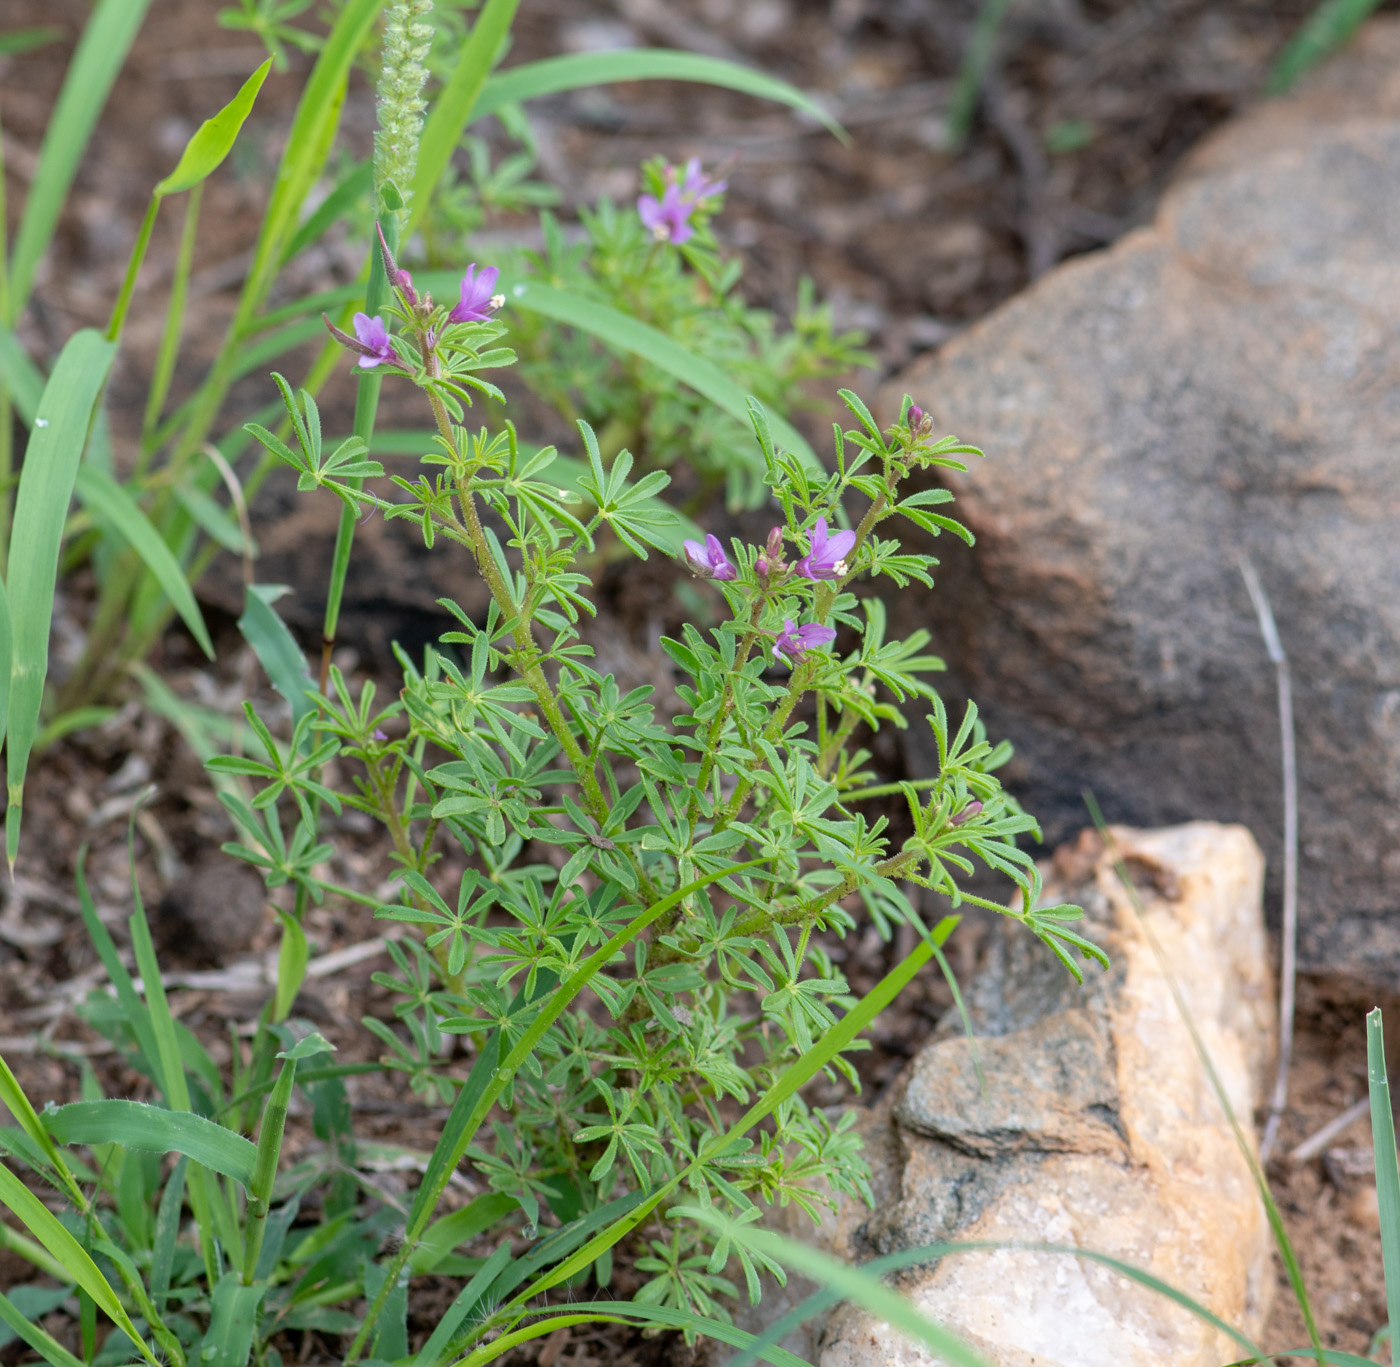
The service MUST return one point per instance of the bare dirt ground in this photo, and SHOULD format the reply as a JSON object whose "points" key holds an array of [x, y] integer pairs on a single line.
{"points": [[1087, 109]]}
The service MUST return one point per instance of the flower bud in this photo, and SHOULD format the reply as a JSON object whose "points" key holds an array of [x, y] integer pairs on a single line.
{"points": [[966, 814]]}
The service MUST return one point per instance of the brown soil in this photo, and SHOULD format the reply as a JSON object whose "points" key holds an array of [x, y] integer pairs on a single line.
{"points": [[910, 240]]}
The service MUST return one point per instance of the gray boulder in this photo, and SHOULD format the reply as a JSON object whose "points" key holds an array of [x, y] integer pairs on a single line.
{"points": [[1224, 381]]}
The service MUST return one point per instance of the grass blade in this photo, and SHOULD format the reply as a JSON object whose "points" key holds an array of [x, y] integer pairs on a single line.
{"points": [[1387, 1171], [167, 1232], [431, 1352], [99, 57], [854, 1284], [232, 1321], [214, 138], [833, 1292], [19, 40], [19, 1106], [1331, 25], [452, 110], [308, 144], [353, 186], [170, 1072], [45, 1227], [452, 1230], [632, 1312], [275, 646], [135, 1125], [22, 377], [27, 1328], [41, 508], [556, 74], [105, 498], [618, 330]]}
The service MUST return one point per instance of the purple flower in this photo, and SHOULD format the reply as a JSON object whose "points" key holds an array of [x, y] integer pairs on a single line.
{"points": [[373, 338], [916, 417], [827, 558], [696, 187], [708, 561], [795, 641], [666, 217], [477, 301]]}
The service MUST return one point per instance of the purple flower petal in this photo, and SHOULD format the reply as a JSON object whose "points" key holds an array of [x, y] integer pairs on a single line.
{"points": [[666, 217], [373, 337], [696, 187], [794, 641], [826, 558], [474, 303], [708, 561]]}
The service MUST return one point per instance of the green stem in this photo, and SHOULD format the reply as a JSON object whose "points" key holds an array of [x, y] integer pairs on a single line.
{"points": [[133, 268], [164, 370], [366, 407], [726, 709]]}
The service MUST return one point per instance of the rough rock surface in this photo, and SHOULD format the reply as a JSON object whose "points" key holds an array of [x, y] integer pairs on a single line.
{"points": [[1226, 380], [1097, 1128]]}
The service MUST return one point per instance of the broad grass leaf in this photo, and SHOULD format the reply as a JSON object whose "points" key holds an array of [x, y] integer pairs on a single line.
{"points": [[214, 138], [41, 508], [135, 1125], [99, 56], [106, 498], [572, 72]]}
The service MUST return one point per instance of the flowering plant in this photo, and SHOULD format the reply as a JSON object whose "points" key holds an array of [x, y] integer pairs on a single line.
{"points": [[628, 907]]}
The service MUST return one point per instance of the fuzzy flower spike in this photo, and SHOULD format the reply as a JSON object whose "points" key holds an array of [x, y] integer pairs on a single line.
{"points": [[827, 557], [795, 641], [667, 217], [708, 561], [477, 301]]}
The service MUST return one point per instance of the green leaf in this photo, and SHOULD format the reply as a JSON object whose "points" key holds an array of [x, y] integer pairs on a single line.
{"points": [[41, 508], [1330, 26], [1387, 1169], [837, 1038], [167, 1232], [23, 1320], [19, 40], [214, 138], [22, 377], [135, 1125], [45, 1227], [105, 498], [432, 1352], [356, 182], [309, 143], [232, 1322], [275, 646], [19, 1106], [292, 957], [99, 56], [555, 74], [446, 1234], [619, 330]]}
